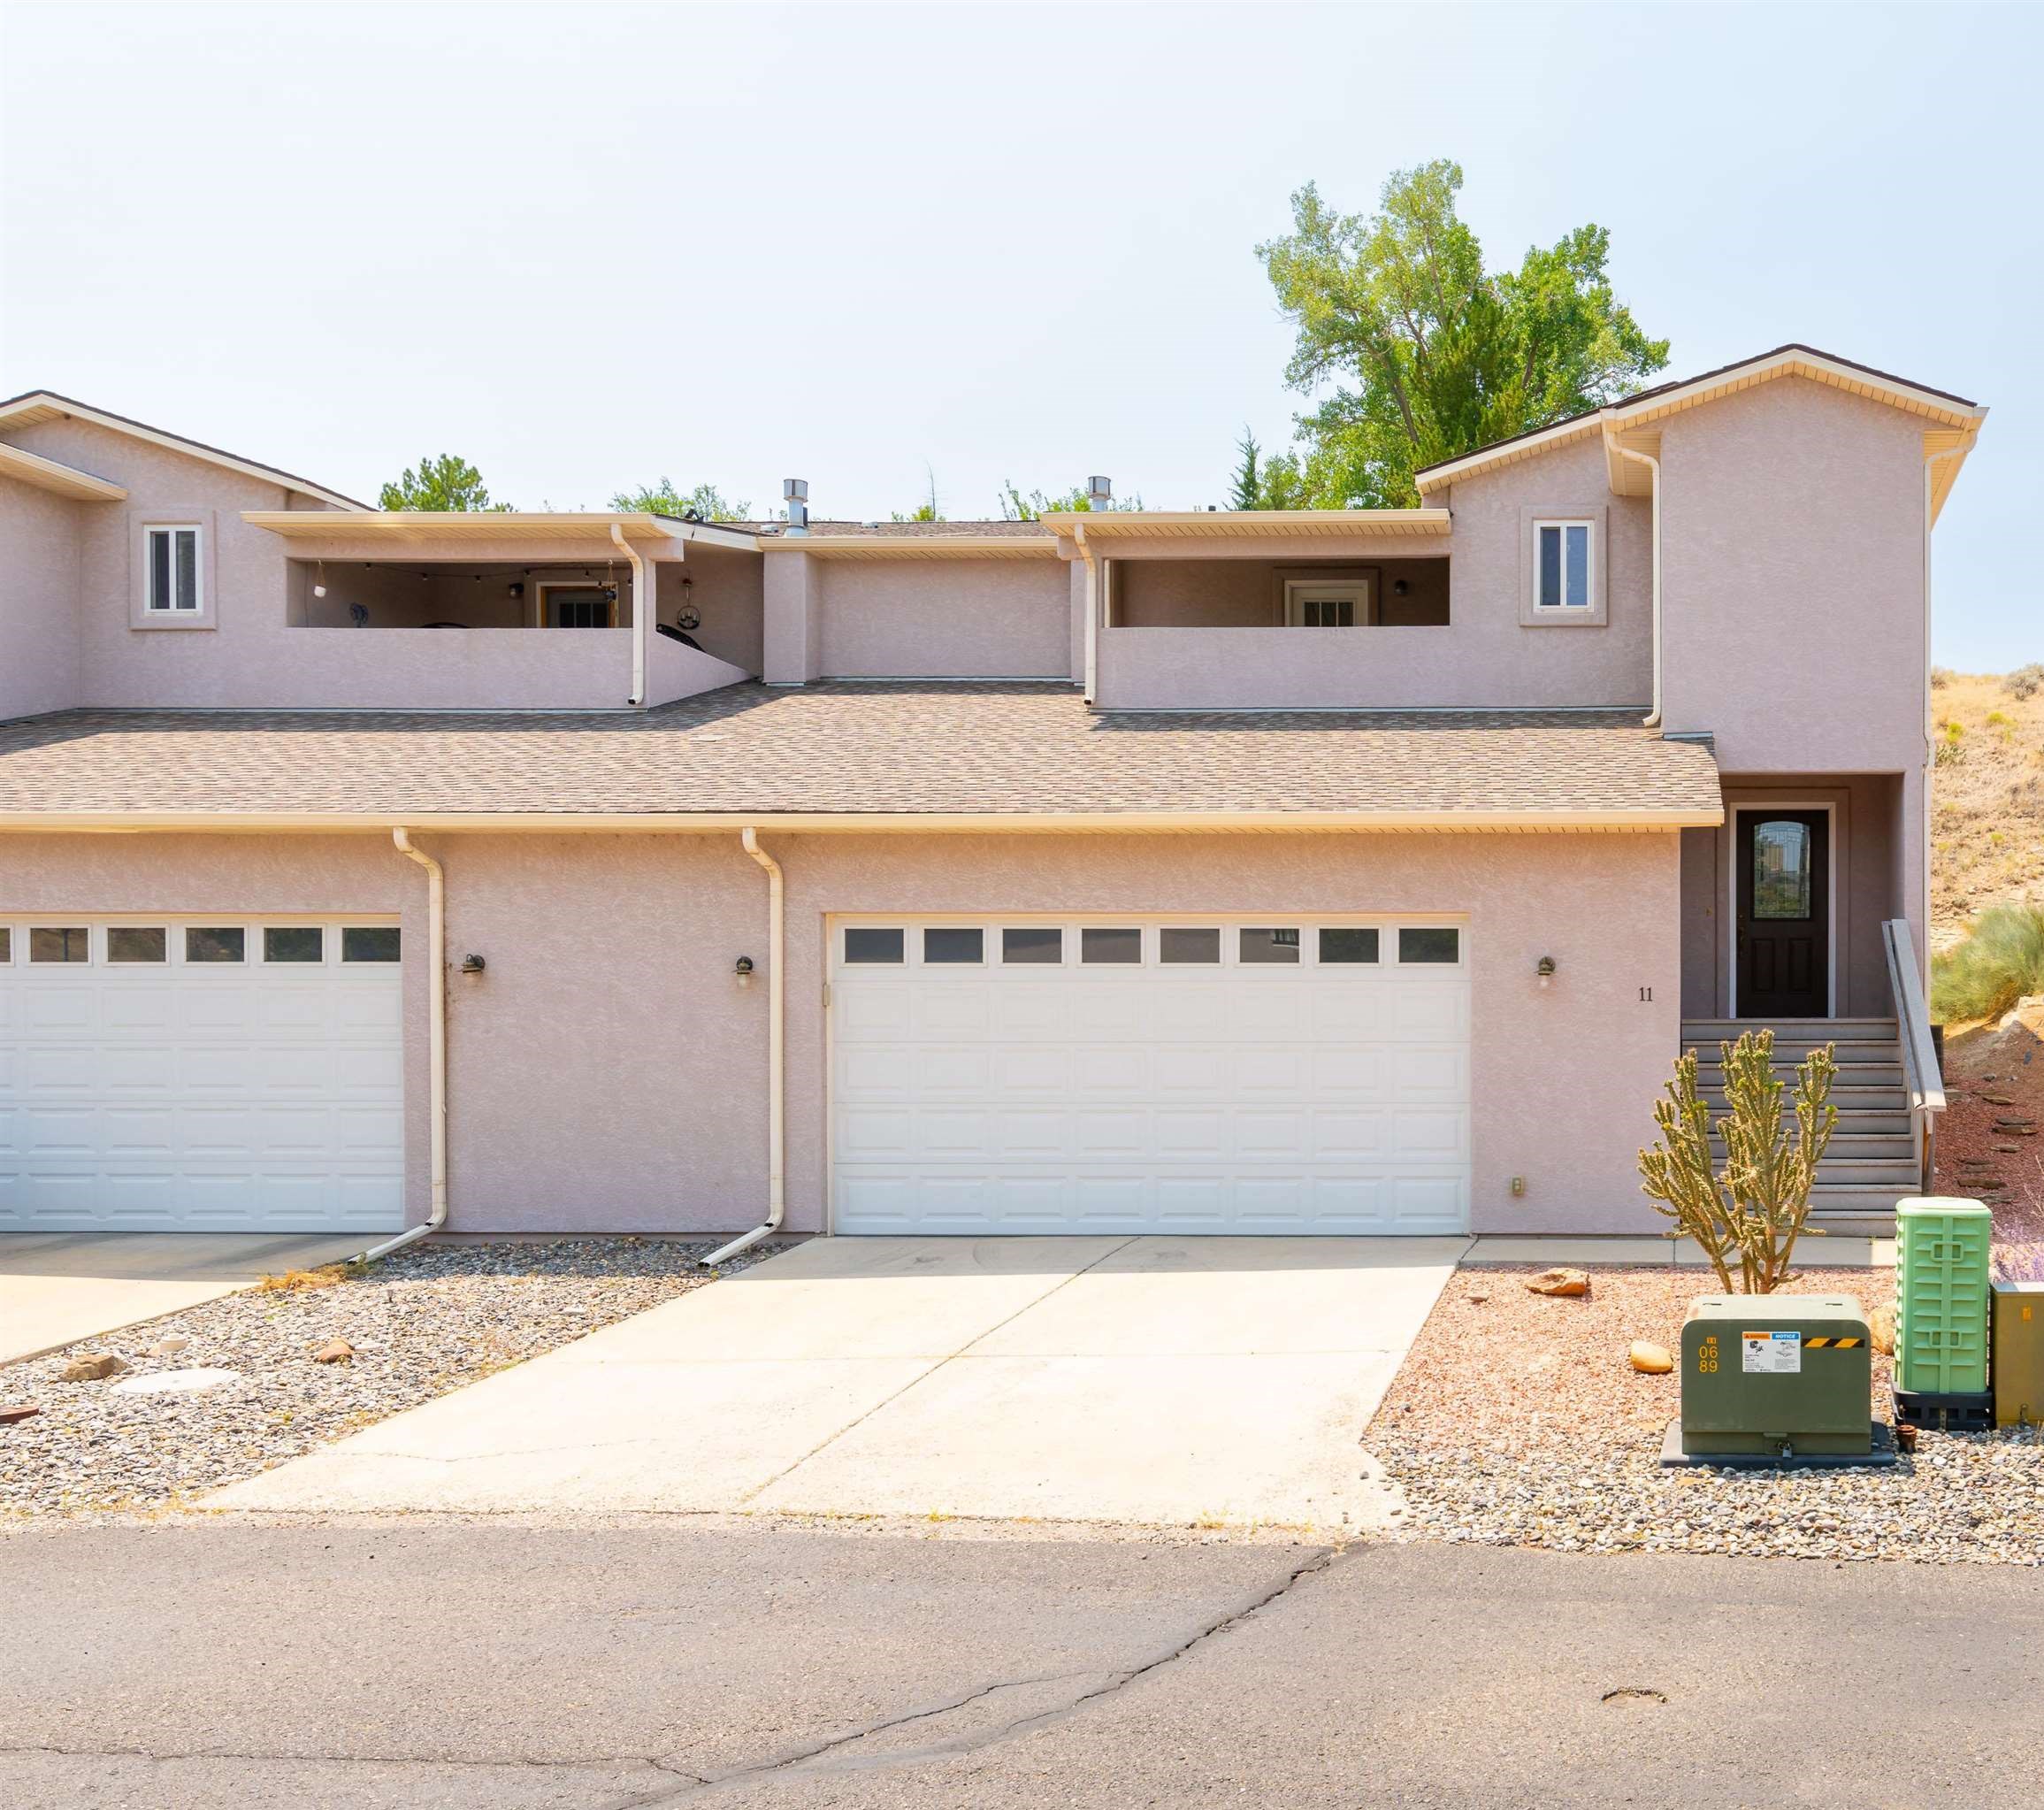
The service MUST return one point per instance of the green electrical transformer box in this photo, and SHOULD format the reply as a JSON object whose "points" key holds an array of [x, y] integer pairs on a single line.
{"points": [[1942, 1249], [1775, 1375]]}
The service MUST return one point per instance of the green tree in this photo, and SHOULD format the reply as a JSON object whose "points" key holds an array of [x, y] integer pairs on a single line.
{"points": [[449, 482], [1246, 488], [1014, 507], [1275, 482], [706, 502], [1430, 356]]}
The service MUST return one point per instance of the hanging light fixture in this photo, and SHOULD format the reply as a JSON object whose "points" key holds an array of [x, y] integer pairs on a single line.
{"points": [[320, 578]]}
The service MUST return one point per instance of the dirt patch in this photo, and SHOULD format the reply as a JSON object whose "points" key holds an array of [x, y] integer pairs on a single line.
{"points": [[1990, 1142]]}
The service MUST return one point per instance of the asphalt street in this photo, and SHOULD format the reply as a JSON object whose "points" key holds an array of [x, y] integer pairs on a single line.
{"points": [[229, 1663]]}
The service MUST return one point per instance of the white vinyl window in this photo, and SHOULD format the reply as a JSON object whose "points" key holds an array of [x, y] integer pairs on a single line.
{"points": [[1562, 580], [173, 587]]}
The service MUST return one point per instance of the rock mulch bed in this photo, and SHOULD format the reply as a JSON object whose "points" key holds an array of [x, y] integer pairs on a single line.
{"points": [[422, 1323], [1516, 1420]]}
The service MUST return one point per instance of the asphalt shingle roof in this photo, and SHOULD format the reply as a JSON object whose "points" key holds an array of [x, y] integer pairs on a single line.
{"points": [[853, 747]]}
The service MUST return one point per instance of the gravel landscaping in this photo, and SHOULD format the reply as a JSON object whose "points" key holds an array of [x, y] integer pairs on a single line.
{"points": [[1517, 1419], [422, 1323]]}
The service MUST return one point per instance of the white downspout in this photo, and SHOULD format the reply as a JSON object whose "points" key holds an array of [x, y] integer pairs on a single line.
{"points": [[642, 602], [436, 937], [776, 1059], [1640, 458], [1092, 611]]}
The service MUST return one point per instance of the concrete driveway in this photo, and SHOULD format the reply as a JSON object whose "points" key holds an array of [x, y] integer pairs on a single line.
{"points": [[57, 1288], [1143, 1379]]}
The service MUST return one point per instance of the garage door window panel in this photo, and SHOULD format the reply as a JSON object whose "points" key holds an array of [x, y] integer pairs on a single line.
{"points": [[293, 943], [1269, 947], [369, 943], [1033, 944], [128, 943], [951, 946], [1111, 946], [59, 943], [866, 947], [1429, 945], [216, 943], [1188, 946], [1348, 945]]}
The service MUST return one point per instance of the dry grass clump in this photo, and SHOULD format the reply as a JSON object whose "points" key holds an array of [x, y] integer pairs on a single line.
{"points": [[2000, 960], [1987, 798], [326, 1276]]}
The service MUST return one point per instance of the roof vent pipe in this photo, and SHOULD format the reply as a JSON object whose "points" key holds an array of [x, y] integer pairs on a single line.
{"points": [[1101, 492], [796, 491]]}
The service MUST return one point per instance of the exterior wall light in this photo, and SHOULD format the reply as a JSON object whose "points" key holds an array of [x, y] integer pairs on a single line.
{"points": [[744, 970], [1545, 970], [472, 964]]}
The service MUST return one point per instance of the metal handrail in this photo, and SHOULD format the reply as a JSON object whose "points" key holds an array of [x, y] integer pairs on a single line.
{"points": [[1921, 1074]]}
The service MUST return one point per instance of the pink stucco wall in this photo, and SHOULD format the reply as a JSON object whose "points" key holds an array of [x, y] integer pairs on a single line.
{"points": [[1485, 656], [915, 619], [39, 578], [946, 618], [606, 1072], [1793, 599], [250, 651]]}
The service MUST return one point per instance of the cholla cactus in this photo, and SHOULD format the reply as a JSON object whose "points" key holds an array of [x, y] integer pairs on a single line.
{"points": [[1750, 1210]]}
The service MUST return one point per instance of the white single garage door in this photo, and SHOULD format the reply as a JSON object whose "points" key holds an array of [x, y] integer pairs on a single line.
{"points": [[170, 1074], [1032, 1075]]}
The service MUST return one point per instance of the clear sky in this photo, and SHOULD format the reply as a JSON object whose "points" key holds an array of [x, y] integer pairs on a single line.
{"points": [[587, 246]]}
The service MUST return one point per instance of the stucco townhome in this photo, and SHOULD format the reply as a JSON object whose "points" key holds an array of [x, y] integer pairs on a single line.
{"points": [[1339, 873]]}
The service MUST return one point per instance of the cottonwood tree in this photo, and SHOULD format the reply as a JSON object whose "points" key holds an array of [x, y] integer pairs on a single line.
{"points": [[1430, 356]]}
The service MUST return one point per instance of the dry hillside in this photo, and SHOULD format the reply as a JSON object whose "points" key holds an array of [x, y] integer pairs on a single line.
{"points": [[1986, 800]]}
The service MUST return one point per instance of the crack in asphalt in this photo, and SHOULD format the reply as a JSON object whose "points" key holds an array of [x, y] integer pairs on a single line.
{"points": [[832, 1757], [828, 1755]]}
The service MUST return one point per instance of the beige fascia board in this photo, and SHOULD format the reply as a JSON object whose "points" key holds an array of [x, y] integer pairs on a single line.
{"points": [[1253, 523], [63, 481], [913, 547], [412, 526], [897, 822]]}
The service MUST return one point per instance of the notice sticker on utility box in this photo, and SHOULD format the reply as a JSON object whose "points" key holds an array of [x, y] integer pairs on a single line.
{"points": [[1771, 1353]]}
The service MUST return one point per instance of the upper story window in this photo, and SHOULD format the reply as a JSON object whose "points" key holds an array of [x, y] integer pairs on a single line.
{"points": [[1562, 577], [173, 586]]}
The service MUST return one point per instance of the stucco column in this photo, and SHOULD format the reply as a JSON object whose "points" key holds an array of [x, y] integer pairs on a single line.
{"points": [[792, 655]]}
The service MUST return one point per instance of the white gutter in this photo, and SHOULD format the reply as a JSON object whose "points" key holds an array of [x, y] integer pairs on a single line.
{"points": [[436, 937], [1653, 464], [1093, 581], [776, 1059], [642, 601]]}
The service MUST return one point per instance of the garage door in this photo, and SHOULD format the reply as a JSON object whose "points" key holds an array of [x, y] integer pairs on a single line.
{"points": [[1181, 1075], [178, 1074]]}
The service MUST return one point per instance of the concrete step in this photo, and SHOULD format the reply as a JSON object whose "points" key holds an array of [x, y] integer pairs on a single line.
{"points": [[1856, 1049], [1856, 1107], [1810, 1030], [1850, 1144], [1854, 1210], [1905, 1176]]}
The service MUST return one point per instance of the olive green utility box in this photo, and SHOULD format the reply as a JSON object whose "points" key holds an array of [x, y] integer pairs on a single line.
{"points": [[1776, 1376], [2019, 1353], [1942, 1249]]}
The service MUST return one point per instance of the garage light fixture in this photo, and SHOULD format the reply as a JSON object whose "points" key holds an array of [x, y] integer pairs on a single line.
{"points": [[743, 968], [1545, 970]]}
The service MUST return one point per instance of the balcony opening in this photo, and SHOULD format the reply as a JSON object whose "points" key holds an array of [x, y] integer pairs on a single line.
{"points": [[455, 594], [1278, 594]]}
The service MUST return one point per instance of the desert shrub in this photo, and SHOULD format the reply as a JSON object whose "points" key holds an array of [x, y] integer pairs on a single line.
{"points": [[1998, 719], [1747, 1212], [1940, 677], [2024, 681], [2000, 960], [1951, 746]]}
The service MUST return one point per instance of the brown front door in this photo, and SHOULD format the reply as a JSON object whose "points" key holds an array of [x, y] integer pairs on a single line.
{"points": [[1783, 929]]}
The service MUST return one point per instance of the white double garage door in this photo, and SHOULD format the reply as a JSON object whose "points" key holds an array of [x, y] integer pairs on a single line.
{"points": [[1183, 1075], [178, 1074]]}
